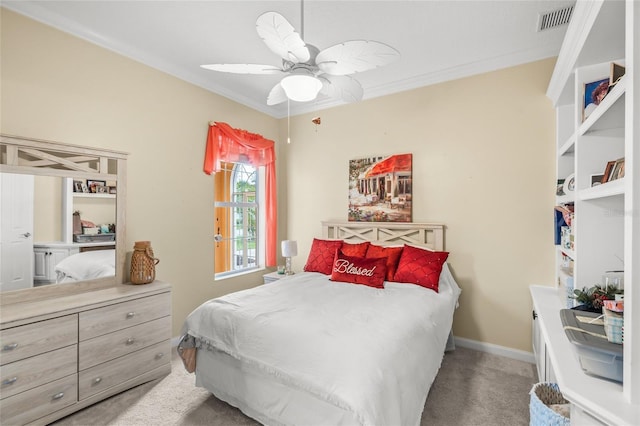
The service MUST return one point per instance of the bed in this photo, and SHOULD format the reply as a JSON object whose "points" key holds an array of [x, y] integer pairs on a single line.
{"points": [[310, 349], [86, 265]]}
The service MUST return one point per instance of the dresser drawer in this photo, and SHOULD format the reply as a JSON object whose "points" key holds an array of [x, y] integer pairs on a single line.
{"points": [[101, 377], [36, 338], [97, 322], [105, 348], [37, 370], [28, 406]]}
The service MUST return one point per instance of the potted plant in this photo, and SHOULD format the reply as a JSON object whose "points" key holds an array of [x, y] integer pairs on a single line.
{"points": [[592, 299]]}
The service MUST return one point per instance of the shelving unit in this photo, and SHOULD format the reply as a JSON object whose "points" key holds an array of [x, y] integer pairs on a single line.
{"points": [[606, 226], [69, 206]]}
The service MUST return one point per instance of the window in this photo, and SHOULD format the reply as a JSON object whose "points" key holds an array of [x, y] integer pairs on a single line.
{"points": [[238, 219], [404, 184]]}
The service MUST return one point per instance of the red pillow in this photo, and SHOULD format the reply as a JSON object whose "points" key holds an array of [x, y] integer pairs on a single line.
{"points": [[359, 270], [392, 254], [322, 255], [358, 249], [420, 266]]}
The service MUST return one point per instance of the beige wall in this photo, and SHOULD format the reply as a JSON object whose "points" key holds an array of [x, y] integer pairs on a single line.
{"points": [[58, 87], [482, 154], [483, 165]]}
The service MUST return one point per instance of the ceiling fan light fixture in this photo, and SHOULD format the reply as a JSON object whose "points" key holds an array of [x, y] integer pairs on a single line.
{"points": [[301, 87]]}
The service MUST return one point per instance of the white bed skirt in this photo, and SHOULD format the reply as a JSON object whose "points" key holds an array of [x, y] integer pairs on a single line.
{"points": [[255, 393]]}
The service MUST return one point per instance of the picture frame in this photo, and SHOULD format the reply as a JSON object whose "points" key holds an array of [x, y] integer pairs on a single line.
{"points": [[618, 169], [85, 188], [607, 172], [77, 186], [560, 187], [596, 179], [112, 190], [615, 74], [93, 183], [593, 93], [102, 189]]}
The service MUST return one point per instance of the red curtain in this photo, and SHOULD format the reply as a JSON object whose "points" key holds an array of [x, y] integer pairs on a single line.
{"points": [[226, 144]]}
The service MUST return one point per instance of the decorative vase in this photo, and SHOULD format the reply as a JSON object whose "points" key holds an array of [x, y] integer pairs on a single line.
{"points": [[77, 223], [143, 263]]}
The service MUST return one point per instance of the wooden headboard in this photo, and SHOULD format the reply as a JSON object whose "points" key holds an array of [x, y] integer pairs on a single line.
{"points": [[430, 235]]}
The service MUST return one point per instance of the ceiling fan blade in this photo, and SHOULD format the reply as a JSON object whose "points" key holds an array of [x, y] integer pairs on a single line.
{"points": [[355, 56], [276, 95], [280, 36], [341, 86], [244, 68]]}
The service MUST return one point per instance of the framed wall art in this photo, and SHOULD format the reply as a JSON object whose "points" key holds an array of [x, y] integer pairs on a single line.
{"points": [[380, 189]]}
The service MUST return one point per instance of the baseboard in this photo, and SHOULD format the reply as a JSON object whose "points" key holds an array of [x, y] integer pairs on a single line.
{"points": [[495, 349], [465, 343]]}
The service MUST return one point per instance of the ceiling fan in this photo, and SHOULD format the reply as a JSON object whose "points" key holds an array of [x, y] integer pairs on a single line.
{"points": [[307, 70]]}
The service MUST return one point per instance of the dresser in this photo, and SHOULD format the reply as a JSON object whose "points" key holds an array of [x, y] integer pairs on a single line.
{"points": [[66, 352]]}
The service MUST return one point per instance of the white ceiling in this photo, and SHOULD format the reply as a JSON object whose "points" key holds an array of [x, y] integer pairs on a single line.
{"points": [[438, 40]]}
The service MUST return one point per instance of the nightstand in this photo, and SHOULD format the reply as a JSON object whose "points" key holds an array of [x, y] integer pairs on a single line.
{"points": [[272, 276]]}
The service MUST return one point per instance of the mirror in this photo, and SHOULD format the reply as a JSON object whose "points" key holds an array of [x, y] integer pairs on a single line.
{"points": [[43, 244], [52, 254]]}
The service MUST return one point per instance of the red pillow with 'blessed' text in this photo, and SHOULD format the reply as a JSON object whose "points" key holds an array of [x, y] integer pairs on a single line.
{"points": [[420, 266], [359, 270], [321, 255]]}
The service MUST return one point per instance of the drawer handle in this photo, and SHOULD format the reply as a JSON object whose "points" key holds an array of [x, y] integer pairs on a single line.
{"points": [[9, 381], [58, 395], [131, 314], [130, 341], [159, 355], [10, 347], [97, 380]]}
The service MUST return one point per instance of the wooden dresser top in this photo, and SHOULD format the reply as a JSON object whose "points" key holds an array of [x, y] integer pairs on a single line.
{"points": [[18, 313]]}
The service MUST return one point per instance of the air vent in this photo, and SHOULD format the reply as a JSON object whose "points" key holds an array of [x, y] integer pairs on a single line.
{"points": [[555, 18]]}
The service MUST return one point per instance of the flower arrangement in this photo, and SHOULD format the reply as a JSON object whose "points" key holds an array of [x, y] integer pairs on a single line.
{"points": [[593, 298]]}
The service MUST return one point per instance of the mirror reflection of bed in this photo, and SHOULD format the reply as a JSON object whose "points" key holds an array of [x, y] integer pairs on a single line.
{"points": [[86, 265]]}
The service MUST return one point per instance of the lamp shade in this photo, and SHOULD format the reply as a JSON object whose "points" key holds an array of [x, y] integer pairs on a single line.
{"points": [[301, 87], [289, 248]]}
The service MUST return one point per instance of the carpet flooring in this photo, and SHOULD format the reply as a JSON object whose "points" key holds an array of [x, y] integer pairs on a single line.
{"points": [[472, 389]]}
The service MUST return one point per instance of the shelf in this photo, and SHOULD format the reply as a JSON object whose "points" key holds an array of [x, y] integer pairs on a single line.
{"points": [[609, 189], [569, 147], [608, 117], [565, 199], [92, 195], [595, 34]]}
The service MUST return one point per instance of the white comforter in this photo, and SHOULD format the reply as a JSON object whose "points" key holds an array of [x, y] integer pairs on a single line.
{"points": [[374, 352]]}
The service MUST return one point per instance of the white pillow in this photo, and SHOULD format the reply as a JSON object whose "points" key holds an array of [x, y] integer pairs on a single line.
{"points": [[88, 265]]}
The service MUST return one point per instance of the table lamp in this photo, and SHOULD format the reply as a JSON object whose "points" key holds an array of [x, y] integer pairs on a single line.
{"points": [[289, 249]]}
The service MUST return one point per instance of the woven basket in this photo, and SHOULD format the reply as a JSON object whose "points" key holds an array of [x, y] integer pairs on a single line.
{"points": [[143, 263], [542, 396]]}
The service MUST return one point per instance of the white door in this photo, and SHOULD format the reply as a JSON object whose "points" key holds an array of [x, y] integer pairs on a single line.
{"points": [[16, 231]]}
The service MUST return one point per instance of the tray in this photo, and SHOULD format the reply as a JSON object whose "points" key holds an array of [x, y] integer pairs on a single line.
{"points": [[102, 238], [597, 355]]}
